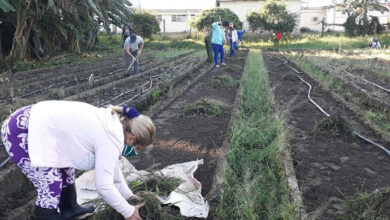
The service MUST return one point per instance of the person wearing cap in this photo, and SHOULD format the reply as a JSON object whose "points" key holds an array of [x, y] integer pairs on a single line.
{"points": [[50, 139], [132, 49], [374, 43]]}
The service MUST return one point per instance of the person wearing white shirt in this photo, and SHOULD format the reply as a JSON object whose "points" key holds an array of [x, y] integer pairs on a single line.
{"points": [[50, 139]]}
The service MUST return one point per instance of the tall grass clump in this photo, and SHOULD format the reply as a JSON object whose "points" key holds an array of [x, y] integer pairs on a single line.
{"points": [[255, 186]]}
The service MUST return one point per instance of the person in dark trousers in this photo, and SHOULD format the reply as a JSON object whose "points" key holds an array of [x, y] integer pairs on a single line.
{"points": [[132, 49], [209, 48], [233, 38], [47, 141]]}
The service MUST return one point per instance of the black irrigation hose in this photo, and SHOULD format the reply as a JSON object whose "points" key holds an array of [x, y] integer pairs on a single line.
{"points": [[359, 135]]}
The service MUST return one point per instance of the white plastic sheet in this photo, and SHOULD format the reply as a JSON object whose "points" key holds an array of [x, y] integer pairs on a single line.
{"points": [[187, 196]]}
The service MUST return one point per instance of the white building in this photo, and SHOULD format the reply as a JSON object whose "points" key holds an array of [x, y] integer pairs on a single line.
{"points": [[175, 20]]}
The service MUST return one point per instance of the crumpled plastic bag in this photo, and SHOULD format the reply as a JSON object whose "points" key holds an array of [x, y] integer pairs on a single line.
{"points": [[187, 196]]}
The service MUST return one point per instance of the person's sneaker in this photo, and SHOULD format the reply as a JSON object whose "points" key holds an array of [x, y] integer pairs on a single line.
{"points": [[223, 64], [217, 65]]}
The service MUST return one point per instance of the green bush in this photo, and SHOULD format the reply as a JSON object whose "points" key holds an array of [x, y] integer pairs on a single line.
{"points": [[207, 17], [144, 24]]}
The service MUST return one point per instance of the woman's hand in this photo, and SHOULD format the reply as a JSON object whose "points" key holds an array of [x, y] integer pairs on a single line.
{"points": [[135, 215]]}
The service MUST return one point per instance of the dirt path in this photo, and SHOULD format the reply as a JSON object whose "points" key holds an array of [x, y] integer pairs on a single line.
{"points": [[181, 139], [328, 159]]}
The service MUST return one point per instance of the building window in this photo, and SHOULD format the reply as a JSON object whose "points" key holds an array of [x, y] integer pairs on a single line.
{"points": [[315, 19], [179, 18], [159, 18], [192, 15]]}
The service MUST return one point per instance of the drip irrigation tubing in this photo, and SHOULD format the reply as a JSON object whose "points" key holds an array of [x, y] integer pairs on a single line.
{"points": [[359, 135], [369, 82], [150, 81]]}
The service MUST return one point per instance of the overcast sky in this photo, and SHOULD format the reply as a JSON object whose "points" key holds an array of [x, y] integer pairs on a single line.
{"points": [[197, 4]]}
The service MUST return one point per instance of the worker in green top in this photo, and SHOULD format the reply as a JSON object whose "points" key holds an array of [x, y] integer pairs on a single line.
{"points": [[209, 48]]}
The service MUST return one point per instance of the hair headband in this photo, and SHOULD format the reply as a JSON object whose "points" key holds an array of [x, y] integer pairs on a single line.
{"points": [[129, 112]]}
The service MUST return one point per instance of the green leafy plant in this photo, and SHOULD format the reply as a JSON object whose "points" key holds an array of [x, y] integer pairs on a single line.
{"points": [[207, 17], [203, 107], [224, 81]]}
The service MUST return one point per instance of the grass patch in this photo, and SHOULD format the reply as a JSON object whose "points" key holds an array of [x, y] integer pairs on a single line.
{"points": [[155, 185], [254, 185], [203, 107], [224, 81], [367, 206]]}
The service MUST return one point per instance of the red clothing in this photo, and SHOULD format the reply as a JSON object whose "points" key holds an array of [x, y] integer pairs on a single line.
{"points": [[278, 36]]}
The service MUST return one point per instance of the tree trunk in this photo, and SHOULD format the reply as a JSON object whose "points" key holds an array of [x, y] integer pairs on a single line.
{"points": [[24, 24], [73, 45]]}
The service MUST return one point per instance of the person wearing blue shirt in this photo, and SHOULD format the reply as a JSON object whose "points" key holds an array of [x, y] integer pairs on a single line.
{"points": [[240, 33]]}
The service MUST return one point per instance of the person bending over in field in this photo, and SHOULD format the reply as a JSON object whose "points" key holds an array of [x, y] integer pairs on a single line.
{"points": [[50, 139], [374, 43], [132, 49]]}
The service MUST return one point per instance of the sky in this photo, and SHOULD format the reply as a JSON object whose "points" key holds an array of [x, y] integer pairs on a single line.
{"points": [[197, 4]]}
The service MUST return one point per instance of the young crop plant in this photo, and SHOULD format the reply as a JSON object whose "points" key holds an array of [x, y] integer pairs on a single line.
{"points": [[147, 190], [203, 107], [363, 205], [224, 81]]}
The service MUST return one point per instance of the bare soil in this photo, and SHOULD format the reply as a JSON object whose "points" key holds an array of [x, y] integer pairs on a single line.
{"points": [[328, 160]]}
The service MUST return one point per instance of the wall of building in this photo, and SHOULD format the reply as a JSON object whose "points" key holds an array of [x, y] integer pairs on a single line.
{"points": [[311, 18], [175, 21]]}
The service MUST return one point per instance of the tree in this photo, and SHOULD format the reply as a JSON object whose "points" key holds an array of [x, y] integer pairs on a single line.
{"points": [[144, 24], [204, 20], [359, 10], [273, 17], [44, 26]]}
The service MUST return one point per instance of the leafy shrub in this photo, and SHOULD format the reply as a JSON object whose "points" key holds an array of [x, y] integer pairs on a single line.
{"points": [[204, 107], [224, 81], [144, 24], [273, 17], [207, 17]]}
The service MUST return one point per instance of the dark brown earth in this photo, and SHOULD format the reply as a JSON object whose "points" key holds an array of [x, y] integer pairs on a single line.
{"points": [[182, 139], [328, 161]]}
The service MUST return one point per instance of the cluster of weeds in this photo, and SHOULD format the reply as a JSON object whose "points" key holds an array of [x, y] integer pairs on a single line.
{"points": [[148, 190], [233, 68], [224, 81], [364, 205], [333, 126], [203, 107]]}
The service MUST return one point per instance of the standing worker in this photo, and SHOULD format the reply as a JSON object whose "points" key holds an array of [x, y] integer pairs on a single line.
{"points": [[239, 34], [233, 38], [209, 48], [50, 139], [133, 47], [217, 42]]}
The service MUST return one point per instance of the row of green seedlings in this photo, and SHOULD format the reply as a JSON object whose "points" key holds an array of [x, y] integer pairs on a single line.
{"points": [[362, 205], [255, 185], [361, 104]]}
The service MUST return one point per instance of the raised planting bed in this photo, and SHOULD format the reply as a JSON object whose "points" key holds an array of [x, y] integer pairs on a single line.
{"points": [[330, 161]]}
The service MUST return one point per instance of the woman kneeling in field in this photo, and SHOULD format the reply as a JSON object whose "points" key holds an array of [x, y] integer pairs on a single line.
{"points": [[50, 139]]}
